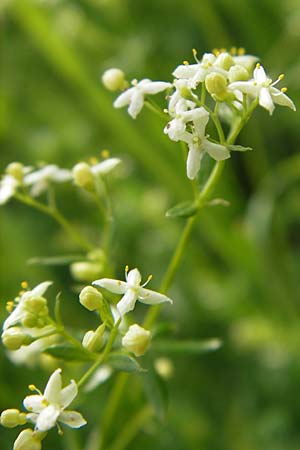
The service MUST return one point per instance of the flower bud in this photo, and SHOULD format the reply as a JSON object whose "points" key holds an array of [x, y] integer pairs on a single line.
{"points": [[114, 80], [91, 298], [29, 320], [216, 85], [137, 340], [164, 367], [15, 169], [93, 340], [238, 73], [225, 61], [11, 418], [86, 271], [13, 338], [36, 305], [97, 255], [28, 440], [83, 176]]}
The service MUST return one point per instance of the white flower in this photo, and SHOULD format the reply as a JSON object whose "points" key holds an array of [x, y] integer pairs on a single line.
{"points": [[198, 143], [48, 408], [134, 97], [263, 88], [177, 101], [8, 187], [20, 310], [132, 291], [40, 179], [175, 129]]}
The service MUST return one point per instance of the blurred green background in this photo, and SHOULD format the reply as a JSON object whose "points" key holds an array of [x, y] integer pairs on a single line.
{"points": [[240, 279]]}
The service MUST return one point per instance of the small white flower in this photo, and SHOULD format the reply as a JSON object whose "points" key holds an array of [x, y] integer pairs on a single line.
{"points": [[50, 407], [8, 187], [40, 179], [175, 129], [134, 96], [262, 87], [19, 311], [177, 102], [132, 290]]}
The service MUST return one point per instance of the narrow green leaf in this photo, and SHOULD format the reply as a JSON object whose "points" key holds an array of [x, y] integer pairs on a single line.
{"points": [[123, 362], [238, 148], [187, 347], [55, 260], [68, 353], [184, 209]]}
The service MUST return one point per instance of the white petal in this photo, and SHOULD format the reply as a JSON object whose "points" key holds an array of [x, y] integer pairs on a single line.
{"points": [[14, 317], [259, 75], [282, 99], [32, 417], [216, 151], [174, 129], [154, 87], [53, 387], [115, 286], [247, 87], [134, 278], [186, 71], [127, 303], [34, 403], [72, 418], [68, 394], [124, 99], [200, 119], [47, 418], [151, 297], [39, 187], [105, 166], [40, 289], [136, 104], [62, 175], [8, 186], [193, 161], [246, 61], [265, 100]]}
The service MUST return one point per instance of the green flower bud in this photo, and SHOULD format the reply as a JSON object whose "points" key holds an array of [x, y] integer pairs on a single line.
{"points": [[93, 340], [137, 340], [28, 440], [114, 80], [15, 169], [11, 418], [83, 176], [238, 73], [91, 298], [225, 61], [216, 85], [13, 338], [86, 271], [35, 305], [164, 367], [186, 93], [29, 320]]}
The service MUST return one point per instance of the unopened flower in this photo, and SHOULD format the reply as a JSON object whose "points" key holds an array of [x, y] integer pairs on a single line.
{"points": [[42, 178], [28, 440], [93, 340], [24, 304], [84, 173], [135, 96], [137, 340], [50, 407], [114, 79], [86, 271], [14, 337], [91, 298], [132, 291], [11, 418], [262, 87]]}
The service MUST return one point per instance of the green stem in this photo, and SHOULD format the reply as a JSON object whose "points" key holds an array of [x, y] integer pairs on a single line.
{"points": [[102, 357], [58, 217], [153, 108]]}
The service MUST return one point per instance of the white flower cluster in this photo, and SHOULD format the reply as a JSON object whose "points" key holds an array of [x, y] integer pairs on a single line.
{"points": [[228, 77]]}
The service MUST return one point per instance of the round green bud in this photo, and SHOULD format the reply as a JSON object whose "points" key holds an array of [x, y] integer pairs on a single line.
{"points": [[28, 440], [11, 418], [93, 340], [114, 80], [13, 338], [164, 367], [224, 61], [216, 84], [29, 320], [35, 305], [186, 93], [91, 298], [41, 322], [97, 255], [83, 176], [137, 340], [15, 169], [238, 73], [86, 271]]}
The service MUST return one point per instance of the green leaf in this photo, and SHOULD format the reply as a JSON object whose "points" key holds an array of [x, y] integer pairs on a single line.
{"points": [[187, 347], [184, 209], [156, 392], [55, 260], [238, 148], [68, 353], [123, 362]]}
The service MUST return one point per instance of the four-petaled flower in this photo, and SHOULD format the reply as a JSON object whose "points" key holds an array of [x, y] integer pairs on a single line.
{"points": [[50, 407], [40, 179], [263, 88], [134, 97], [132, 290]]}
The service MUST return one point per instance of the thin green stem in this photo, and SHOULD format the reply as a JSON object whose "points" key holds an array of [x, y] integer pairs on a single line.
{"points": [[155, 109], [58, 217]]}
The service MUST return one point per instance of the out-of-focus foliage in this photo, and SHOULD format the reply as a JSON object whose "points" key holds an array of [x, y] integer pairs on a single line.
{"points": [[240, 278]]}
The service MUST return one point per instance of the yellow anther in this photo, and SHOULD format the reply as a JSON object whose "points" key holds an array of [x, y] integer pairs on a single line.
{"points": [[126, 268], [258, 65], [22, 293], [32, 387], [284, 89], [9, 306], [93, 160], [281, 76], [223, 50], [194, 52], [149, 278], [186, 63], [233, 51], [24, 284], [241, 51], [105, 153], [165, 110]]}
